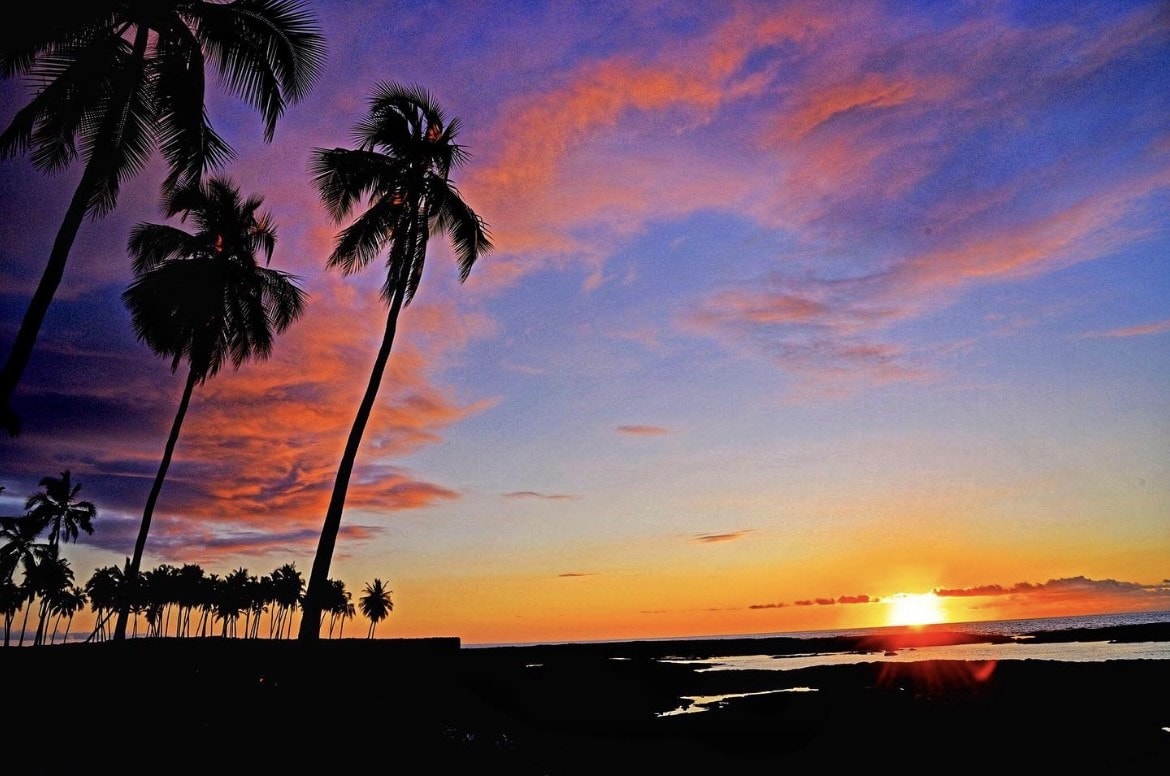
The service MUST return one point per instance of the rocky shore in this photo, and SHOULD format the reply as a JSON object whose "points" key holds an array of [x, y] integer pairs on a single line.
{"points": [[432, 706]]}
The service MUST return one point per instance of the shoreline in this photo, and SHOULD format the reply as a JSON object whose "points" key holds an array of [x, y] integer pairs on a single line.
{"points": [[431, 705]]}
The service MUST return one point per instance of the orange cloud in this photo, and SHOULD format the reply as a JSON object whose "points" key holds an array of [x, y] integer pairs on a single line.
{"points": [[871, 91], [636, 430]]}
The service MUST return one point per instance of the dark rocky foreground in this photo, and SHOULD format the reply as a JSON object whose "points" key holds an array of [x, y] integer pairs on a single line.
{"points": [[430, 707]]}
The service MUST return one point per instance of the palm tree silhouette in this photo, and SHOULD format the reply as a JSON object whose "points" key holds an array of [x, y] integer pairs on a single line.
{"points": [[203, 297], [106, 590], [63, 604], [119, 79], [57, 508], [11, 601], [287, 587], [338, 605], [402, 163], [375, 604], [46, 579]]}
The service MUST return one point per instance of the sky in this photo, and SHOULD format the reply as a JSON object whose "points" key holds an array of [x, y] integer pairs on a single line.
{"points": [[795, 310]]}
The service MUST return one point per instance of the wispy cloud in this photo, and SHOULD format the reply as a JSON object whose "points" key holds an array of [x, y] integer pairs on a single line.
{"points": [[639, 430], [718, 538], [538, 495], [1069, 585], [1140, 330]]}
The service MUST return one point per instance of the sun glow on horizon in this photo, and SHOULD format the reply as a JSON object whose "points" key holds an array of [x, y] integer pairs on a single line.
{"points": [[916, 609]]}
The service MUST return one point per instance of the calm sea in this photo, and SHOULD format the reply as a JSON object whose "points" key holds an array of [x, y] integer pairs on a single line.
{"points": [[1019, 649]]}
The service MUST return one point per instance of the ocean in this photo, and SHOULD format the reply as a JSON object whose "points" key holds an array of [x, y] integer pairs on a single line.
{"points": [[1018, 649]]}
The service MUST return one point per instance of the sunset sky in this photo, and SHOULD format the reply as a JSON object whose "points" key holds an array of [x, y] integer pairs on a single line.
{"points": [[793, 308]]}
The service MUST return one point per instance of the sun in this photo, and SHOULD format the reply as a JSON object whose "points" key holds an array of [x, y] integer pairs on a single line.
{"points": [[916, 609]]}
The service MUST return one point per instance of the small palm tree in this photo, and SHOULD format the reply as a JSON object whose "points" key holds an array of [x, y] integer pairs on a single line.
{"points": [[57, 508], [403, 161], [375, 604], [203, 297], [116, 80]]}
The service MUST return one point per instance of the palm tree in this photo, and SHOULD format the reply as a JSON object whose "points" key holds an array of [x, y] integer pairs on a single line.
{"points": [[62, 606], [337, 604], [401, 165], [375, 604], [20, 546], [189, 591], [287, 587], [57, 508], [47, 579], [11, 601], [116, 79], [106, 590], [204, 298]]}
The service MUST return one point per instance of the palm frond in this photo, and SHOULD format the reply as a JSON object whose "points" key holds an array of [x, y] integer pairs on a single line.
{"points": [[269, 52]]}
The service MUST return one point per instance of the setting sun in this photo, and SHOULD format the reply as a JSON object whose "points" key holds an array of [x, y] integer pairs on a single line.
{"points": [[916, 609]]}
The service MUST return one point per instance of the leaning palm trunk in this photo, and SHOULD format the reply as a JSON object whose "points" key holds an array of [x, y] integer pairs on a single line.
{"points": [[148, 513], [38, 306], [310, 629], [100, 167]]}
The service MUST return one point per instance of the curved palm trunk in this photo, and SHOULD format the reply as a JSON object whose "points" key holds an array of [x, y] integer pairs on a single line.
{"points": [[38, 306], [310, 629], [30, 326], [144, 528]]}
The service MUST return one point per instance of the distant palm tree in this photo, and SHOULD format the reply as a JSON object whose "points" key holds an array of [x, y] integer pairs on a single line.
{"points": [[375, 604], [119, 78], [106, 590], [402, 164], [57, 508], [11, 600], [203, 297], [287, 586], [190, 586], [338, 606], [48, 580], [62, 606]]}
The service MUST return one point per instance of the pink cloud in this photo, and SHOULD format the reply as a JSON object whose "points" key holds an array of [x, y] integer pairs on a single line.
{"points": [[1140, 330]]}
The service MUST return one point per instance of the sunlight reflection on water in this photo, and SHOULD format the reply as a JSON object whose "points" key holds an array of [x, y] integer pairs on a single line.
{"points": [[704, 702], [1075, 652]]}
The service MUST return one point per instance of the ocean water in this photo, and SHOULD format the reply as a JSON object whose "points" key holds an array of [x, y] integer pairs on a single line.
{"points": [[1017, 649]]}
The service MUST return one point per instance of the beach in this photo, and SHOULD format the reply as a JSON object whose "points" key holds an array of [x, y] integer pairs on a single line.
{"points": [[433, 706]]}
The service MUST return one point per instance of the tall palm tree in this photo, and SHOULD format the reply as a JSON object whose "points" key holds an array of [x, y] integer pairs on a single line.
{"points": [[375, 604], [203, 297], [57, 508], [116, 79], [402, 163]]}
